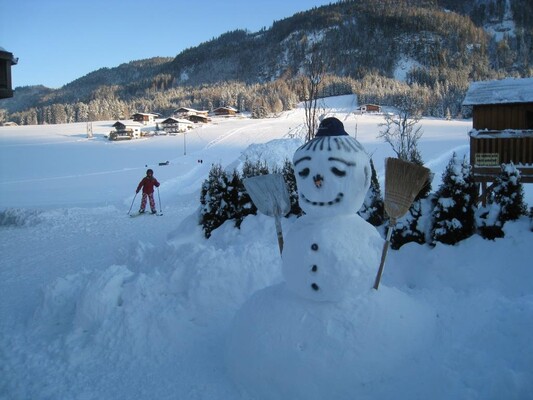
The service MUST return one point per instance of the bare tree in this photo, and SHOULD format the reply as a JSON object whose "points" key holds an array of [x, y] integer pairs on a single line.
{"points": [[311, 85], [400, 129]]}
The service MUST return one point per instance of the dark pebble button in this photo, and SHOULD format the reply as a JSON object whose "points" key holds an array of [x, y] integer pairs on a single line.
{"points": [[314, 286], [314, 247]]}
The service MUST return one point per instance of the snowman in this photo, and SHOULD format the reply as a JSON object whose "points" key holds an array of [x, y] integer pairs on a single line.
{"points": [[324, 333], [331, 252]]}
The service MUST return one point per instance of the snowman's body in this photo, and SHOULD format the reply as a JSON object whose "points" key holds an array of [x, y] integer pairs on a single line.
{"points": [[319, 264]]}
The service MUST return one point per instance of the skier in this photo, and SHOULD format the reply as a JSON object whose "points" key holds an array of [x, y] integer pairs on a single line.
{"points": [[147, 184]]}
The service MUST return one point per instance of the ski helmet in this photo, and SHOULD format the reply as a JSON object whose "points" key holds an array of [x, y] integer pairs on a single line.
{"points": [[149, 171]]}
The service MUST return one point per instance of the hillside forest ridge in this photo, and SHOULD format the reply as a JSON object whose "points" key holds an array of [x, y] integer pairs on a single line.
{"points": [[384, 51]]}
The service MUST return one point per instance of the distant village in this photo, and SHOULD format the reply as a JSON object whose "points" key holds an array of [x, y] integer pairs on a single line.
{"points": [[182, 120]]}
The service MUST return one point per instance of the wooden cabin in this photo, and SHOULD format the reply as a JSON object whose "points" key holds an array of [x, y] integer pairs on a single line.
{"points": [[502, 128], [125, 131], [144, 118], [173, 125], [6, 61], [198, 118], [369, 108], [185, 112], [225, 111]]}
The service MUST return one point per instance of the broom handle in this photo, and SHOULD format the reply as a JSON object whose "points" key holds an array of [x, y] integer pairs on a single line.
{"points": [[279, 232], [384, 254]]}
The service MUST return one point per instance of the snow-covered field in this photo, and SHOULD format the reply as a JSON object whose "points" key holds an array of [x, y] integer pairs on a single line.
{"points": [[97, 305]]}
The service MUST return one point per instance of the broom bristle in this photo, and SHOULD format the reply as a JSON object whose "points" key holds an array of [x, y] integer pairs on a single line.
{"points": [[403, 181]]}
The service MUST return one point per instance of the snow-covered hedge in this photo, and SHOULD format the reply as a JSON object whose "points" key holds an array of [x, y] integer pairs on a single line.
{"points": [[448, 216]]}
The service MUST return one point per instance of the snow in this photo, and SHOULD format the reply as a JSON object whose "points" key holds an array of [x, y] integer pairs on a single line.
{"points": [[506, 28], [405, 65], [98, 305], [508, 90]]}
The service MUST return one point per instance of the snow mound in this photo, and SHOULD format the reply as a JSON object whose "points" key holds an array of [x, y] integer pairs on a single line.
{"points": [[284, 347], [274, 153]]}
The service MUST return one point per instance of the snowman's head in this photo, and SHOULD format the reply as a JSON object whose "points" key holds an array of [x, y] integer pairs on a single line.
{"points": [[332, 171]]}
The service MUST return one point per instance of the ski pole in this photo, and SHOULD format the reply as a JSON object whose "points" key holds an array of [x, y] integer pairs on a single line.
{"points": [[132, 203], [159, 197]]}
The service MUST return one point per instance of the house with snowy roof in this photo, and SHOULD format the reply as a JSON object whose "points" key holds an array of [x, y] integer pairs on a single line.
{"points": [[186, 111], [192, 115], [226, 111], [368, 108], [173, 125], [125, 130], [502, 128], [144, 118]]}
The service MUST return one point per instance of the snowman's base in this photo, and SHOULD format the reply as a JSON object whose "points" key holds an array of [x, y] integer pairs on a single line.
{"points": [[284, 347]]}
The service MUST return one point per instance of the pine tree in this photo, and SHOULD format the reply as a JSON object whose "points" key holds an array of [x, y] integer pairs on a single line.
{"points": [[213, 197], [505, 203], [290, 180], [407, 227], [241, 202], [454, 212], [232, 198], [509, 194], [250, 169], [373, 209], [487, 221]]}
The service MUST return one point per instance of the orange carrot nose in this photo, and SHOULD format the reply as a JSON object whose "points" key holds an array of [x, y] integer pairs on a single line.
{"points": [[318, 179]]}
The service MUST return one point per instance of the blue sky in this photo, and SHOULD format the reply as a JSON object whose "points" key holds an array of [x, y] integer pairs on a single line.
{"points": [[58, 41]]}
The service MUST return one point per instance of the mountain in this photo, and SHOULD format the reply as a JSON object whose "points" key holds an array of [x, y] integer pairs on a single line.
{"points": [[439, 44]]}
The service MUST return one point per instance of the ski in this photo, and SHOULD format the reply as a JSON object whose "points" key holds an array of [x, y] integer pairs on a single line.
{"points": [[145, 213]]}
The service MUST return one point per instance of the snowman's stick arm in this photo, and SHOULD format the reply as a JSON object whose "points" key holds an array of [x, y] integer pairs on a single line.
{"points": [[384, 253]]}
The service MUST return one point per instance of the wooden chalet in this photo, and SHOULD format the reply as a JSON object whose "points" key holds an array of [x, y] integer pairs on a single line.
{"points": [[198, 118], [125, 130], [173, 125], [192, 115], [369, 108], [144, 118], [225, 111], [502, 119], [185, 112], [6, 61]]}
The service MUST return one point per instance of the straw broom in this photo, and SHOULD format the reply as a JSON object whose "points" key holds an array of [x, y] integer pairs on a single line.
{"points": [[403, 181]]}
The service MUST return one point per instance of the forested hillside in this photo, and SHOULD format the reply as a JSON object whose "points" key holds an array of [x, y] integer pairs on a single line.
{"points": [[379, 50]]}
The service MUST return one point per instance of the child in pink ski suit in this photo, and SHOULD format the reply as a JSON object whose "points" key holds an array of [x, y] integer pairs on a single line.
{"points": [[147, 184]]}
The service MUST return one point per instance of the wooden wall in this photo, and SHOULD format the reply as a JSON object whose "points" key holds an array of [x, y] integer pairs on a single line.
{"points": [[503, 116], [517, 150]]}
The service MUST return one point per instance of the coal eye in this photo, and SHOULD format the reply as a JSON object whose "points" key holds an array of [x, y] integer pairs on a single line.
{"points": [[338, 172], [304, 172]]}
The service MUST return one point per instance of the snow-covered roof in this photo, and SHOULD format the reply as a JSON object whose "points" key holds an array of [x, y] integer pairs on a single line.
{"points": [[509, 90], [129, 124], [172, 120], [139, 113]]}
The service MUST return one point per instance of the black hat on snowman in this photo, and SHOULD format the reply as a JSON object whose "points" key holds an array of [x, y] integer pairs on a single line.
{"points": [[331, 126]]}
